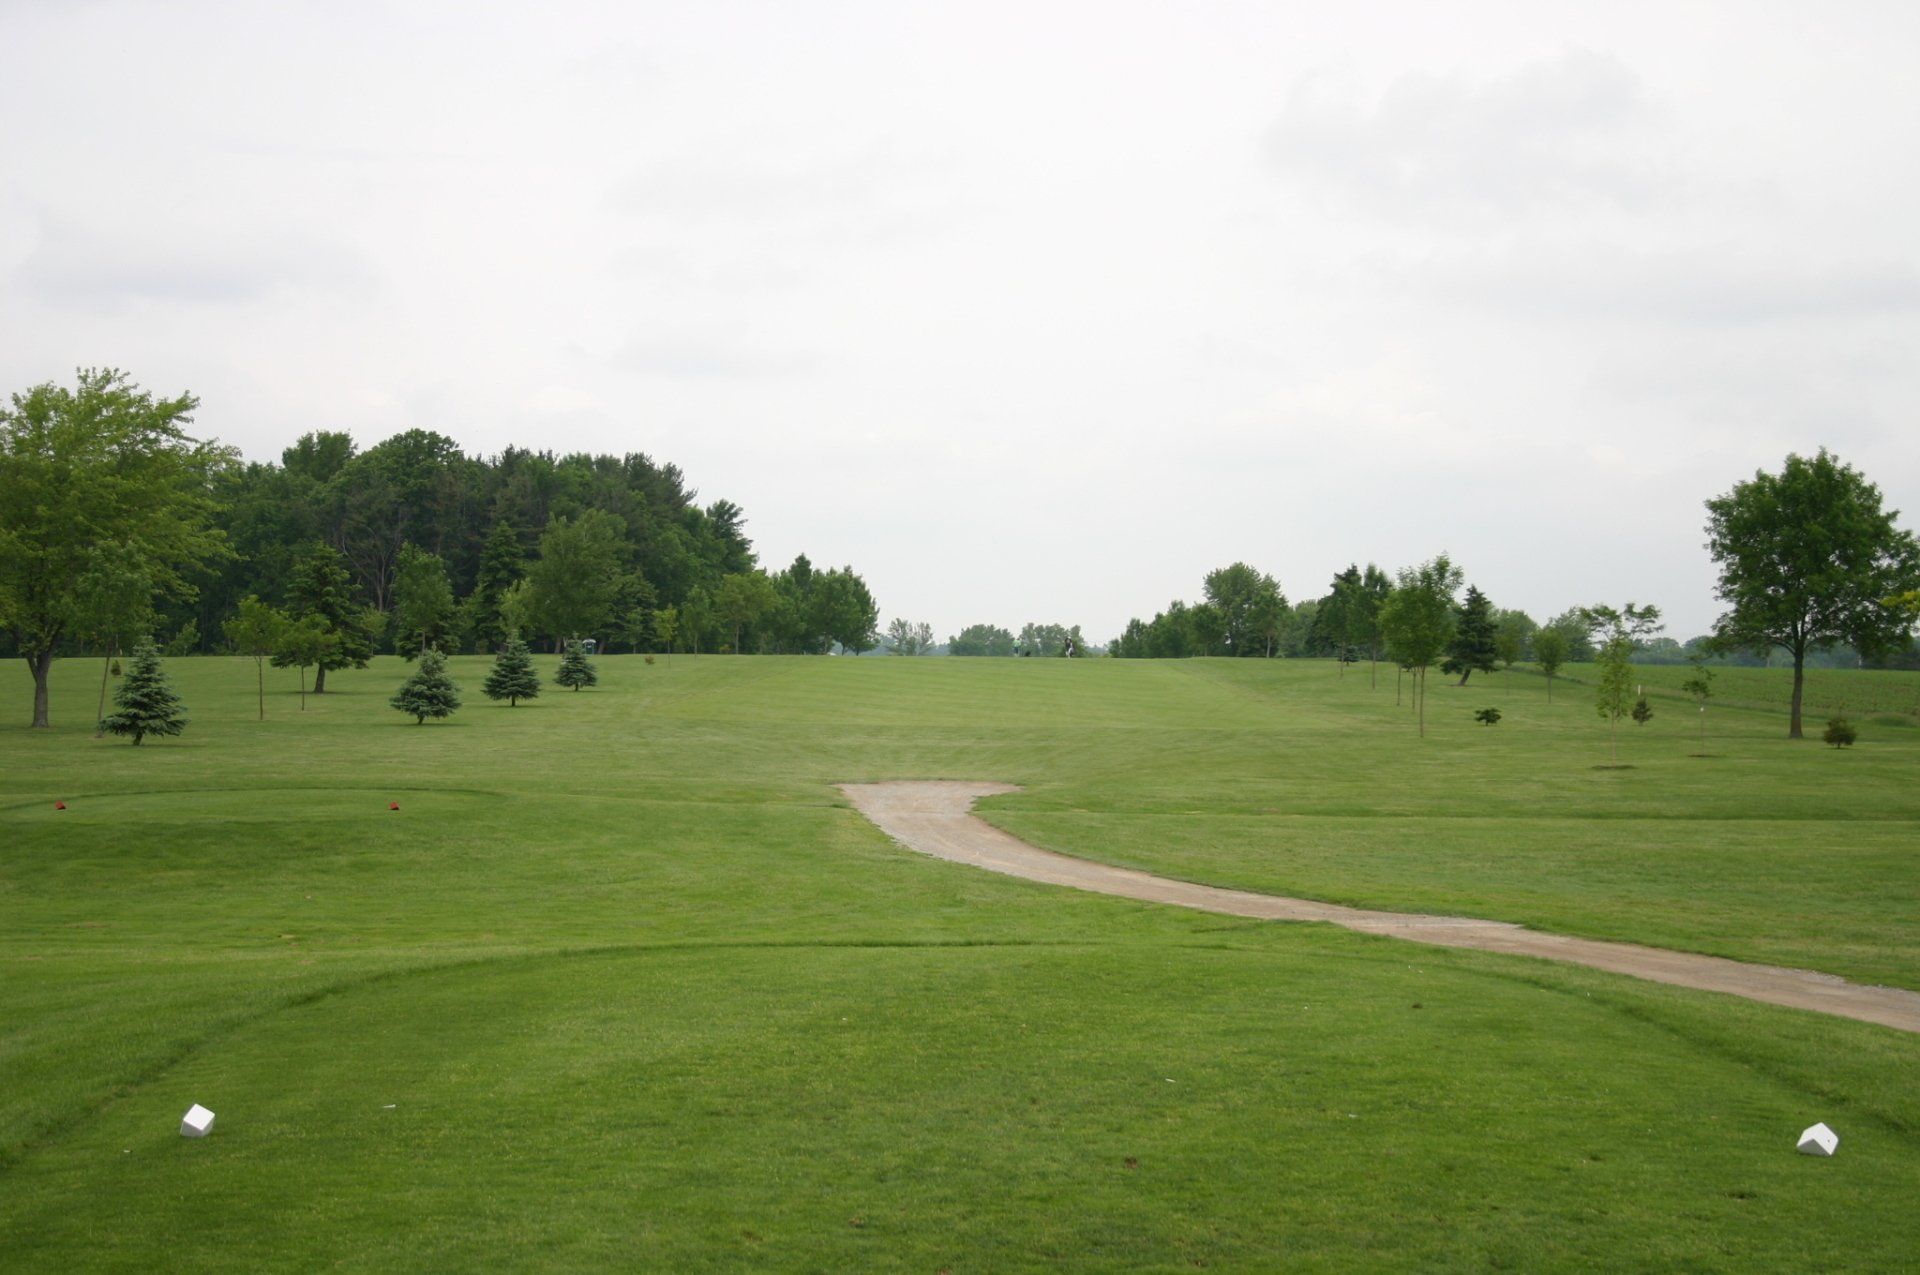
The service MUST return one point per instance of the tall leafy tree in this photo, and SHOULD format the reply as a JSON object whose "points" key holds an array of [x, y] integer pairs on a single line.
{"points": [[843, 611], [1807, 557], [145, 704], [102, 463], [1512, 635], [577, 577], [1374, 588], [321, 590], [501, 564], [982, 640], [1418, 619], [743, 599], [256, 630], [422, 598], [1474, 647], [1338, 618], [1248, 602]]}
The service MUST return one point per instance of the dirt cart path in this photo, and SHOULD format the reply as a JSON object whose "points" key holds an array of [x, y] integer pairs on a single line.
{"points": [[935, 817]]}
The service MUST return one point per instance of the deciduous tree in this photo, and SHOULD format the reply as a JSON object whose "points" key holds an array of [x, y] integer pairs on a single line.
{"points": [[577, 577], [322, 591], [1550, 652], [1615, 633], [303, 644], [102, 463], [982, 640], [256, 630], [1807, 557], [1249, 604], [422, 598], [113, 608], [1418, 619], [1699, 684]]}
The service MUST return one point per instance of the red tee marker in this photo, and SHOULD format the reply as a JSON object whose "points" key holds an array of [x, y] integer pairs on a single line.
{"points": [[59, 805], [393, 805]]}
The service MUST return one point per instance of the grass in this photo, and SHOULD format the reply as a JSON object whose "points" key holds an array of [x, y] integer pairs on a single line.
{"points": [[623, 982], [1856, 693]]}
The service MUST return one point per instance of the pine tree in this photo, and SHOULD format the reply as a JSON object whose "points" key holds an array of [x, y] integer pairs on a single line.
{"points": [[576, 670], [145, 703], [1475, 643], [513, 678], [429, 692]]}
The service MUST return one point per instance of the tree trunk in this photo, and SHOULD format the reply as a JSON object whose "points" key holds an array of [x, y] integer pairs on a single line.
{"points": [[260, 670], [39, 664], [100, 714], [1398, 672], [1799, 686], [303, 688], [319, 683], [1420, 693]]}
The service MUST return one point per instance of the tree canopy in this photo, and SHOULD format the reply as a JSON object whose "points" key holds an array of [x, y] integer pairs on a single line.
{"points": [[1808, 558], [103, 463]]}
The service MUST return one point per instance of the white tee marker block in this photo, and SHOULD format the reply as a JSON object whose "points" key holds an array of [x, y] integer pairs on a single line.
{"points": [[196, 1122], [1819, 1140]]}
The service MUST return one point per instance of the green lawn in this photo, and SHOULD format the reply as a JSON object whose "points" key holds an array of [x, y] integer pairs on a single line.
{"points": [[1893, 697], [625, 983]]}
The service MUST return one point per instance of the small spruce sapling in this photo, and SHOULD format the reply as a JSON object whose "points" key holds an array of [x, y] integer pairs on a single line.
{"points": [[512, 678], [1840, 732], [429, 692], [1488, 717], [1642, 711], [576, 670], [144, 704]]}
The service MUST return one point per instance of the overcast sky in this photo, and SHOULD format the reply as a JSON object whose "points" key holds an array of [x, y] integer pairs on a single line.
{"points": [[1028, 311]]}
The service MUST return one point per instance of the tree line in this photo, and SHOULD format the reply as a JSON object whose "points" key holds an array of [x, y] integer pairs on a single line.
{"points": [[1810, 565], [116, 524]]}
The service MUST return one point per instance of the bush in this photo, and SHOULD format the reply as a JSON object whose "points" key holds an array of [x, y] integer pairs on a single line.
{"points": [[1487, 716], [649, 659], [1840, 732], [1642, 711]]}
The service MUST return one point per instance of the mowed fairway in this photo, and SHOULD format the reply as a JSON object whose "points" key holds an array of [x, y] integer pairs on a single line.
{"points": [[624, 981]]}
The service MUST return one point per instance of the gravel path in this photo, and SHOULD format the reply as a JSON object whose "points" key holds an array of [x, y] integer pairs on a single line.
{"points": [[935, 817]]}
